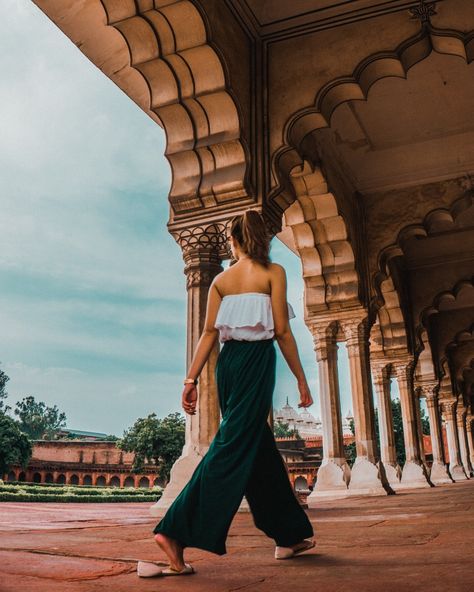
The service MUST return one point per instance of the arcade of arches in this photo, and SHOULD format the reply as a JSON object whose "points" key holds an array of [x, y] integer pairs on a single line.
{"points": [[349, 126], [82, 462]]}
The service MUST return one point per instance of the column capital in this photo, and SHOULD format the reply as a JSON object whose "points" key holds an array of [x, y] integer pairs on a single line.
{"points": [[324, 338], [204, 246], [380, 372], [461, 413], [205, 236], [404, 368], [428, 390], [448, 407], [356, 331]]}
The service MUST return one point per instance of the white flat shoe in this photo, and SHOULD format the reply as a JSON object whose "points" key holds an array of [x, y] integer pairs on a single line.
{"points": [[288, 552], [150, 569]]}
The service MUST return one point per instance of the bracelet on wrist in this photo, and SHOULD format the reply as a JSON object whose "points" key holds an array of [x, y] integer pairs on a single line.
{"points": [[190, 381]]}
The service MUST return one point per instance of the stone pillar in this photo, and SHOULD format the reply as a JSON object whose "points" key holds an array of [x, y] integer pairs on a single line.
{"points": [[414, 472], [367, 473], [202, 256], [462, 437], [455, 465], [334, 473], [419, 426], [439, 471], [470, 439], [388, 452]]}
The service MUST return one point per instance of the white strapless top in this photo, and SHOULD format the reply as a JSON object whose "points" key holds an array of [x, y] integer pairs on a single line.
{"points": [[246, 317]]}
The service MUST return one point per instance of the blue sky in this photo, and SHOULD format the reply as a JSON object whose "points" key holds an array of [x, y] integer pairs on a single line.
{"points": [[92, 299]]}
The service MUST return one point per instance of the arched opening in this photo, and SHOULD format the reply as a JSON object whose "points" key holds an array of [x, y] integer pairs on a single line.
{"points": [[11, 476], [100, 481], [49, 478], [22, 476], [36, 477], [144, 482], [87, 480], [74, 480], [301, 484], [129, 482], [114, 481], [159, 481], [61, 480]]}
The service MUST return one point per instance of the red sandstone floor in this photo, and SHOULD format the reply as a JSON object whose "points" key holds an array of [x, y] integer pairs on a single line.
{"points": [[416, 540]]}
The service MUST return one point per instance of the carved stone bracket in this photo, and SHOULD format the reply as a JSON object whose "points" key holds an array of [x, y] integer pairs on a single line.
{"points": [[423, 12]]}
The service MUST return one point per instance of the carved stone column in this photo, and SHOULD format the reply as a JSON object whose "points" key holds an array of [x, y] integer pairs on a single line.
{"points": [[455, 464], [439, 471], [414, 472], [388, 452], [470, 439], [367, 473], [334, 473], [419, 426], [462, 437], [203, 248]]}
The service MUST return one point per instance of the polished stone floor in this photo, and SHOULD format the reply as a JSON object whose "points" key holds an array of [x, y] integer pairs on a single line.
{"points": [[416, 540]]}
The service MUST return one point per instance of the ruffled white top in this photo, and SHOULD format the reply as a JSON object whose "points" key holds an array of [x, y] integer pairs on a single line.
{"points": [[247, 317]]}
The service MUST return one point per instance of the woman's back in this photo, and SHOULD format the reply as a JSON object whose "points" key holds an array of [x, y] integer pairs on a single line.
{"points": [[245, 311], [244, 277]]}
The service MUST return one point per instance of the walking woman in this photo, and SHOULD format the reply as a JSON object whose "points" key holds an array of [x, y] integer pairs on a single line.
{"points": [[247, 309]]}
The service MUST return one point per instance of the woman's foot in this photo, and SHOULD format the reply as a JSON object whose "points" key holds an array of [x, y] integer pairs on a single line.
{"points": [[173, 550], [287, 552]]}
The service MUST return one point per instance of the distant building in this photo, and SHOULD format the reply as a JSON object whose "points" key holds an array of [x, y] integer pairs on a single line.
{"points": [[303, 455], [307, 425], [80, 434], [87, 461]]}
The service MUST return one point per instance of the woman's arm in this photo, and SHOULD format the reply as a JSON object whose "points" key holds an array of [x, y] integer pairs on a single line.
{"points": [[284, 335], [203, 349]]}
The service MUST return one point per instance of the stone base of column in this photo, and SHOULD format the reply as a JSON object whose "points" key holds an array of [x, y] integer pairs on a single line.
{"points": [[457, 472], [366, 479], [414, 476], [180, 474], [331, 482], [439, 474], [393, 474]]}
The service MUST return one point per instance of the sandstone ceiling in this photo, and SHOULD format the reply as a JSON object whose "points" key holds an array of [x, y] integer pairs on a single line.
{"points": [[409, 131], [280, 17]]}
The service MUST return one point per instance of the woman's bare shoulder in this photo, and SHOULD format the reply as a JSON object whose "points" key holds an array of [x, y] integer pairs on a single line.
{"points": [[276, 269]]}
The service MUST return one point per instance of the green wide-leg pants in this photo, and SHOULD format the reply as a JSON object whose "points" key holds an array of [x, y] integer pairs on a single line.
{"points": [[242, 459]]}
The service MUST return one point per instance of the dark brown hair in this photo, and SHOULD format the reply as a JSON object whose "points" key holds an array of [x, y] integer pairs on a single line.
{"points": [[250, 232]]}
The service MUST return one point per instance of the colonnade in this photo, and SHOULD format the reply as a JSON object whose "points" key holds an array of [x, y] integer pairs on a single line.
{"points": [[100, 479], [376, 471]]}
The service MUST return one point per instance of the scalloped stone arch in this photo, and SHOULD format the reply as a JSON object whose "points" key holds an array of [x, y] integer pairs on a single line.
{"points": [[157, 52], [387, 303], [356, 86], [463, 289], [321, 240]]}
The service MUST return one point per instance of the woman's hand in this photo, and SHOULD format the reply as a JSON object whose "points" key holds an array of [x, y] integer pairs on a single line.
{"points": [[189, 398], [305, 394]]}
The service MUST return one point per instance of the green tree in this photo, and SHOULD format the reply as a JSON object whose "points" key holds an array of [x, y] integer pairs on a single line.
{"points": [[398, 431], [4, 408], [425, 422], [397, 428], [350, 449], [282, 430], [155, 440], [37, 420], [15, 447]]}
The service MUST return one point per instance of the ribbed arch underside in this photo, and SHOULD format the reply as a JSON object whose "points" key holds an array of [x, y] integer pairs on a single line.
{"points": [[157, 52]]}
